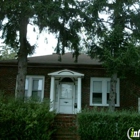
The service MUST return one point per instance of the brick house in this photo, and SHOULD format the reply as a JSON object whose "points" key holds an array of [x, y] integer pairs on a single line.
{"points": [[69, 85]]}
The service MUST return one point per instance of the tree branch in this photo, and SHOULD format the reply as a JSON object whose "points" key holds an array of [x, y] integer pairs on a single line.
{"points": [[112, 23]]}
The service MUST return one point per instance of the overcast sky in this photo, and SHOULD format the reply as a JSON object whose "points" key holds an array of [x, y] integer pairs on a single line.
{"points": [[45, 43], [44, 47]]}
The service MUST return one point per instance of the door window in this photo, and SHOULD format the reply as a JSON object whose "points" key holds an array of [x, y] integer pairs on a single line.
{"points": [[66, 91]]}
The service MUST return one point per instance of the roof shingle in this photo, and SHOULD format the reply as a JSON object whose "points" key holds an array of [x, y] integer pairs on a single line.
{"points": [[67, 58]]}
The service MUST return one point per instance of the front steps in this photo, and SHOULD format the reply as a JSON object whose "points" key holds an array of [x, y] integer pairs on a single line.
{"points": [[66, 127]]}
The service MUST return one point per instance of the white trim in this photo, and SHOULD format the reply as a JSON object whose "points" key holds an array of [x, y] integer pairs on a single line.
{"points": [[66, 73], [104, 91], [52, 88], [79, 95], [75, 99], [74, 76]]}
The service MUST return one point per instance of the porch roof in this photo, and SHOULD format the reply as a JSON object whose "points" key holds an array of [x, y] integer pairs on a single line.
{"points": [[66, 73]]}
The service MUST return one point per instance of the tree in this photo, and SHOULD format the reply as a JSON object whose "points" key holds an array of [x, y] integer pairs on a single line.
{"points": [[111, 38], [56, 16], [8, 52]]}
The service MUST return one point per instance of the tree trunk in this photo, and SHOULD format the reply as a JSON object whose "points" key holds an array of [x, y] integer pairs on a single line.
{"points": [[112, 95], [22, 59]]}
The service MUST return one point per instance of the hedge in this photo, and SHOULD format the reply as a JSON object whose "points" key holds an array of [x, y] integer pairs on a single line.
{"points": [[25, 121], [104, 125]]}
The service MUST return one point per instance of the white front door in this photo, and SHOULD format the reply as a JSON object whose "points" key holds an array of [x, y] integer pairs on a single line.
{"points": [[66, 96]]}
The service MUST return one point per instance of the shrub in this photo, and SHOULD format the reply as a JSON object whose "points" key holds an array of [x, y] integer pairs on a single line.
{"points": [[25, 121], [104, 125]]}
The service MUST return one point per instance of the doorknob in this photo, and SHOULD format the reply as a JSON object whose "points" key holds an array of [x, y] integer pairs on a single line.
{"points": [[66, 102]]}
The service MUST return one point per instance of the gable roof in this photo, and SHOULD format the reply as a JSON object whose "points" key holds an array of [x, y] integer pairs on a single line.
{"points": [[66, 72], [66, 59]]}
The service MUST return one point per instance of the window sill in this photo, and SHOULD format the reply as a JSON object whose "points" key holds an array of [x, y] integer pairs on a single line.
{"points": [[104, 105]]}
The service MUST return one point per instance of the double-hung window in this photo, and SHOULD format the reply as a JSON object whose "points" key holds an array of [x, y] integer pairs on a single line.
{"points": [[34, 88], [99, 92]]}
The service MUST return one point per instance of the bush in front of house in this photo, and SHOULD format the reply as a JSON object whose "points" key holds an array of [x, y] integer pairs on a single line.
{"points": [[25, 121], [105, 125]]}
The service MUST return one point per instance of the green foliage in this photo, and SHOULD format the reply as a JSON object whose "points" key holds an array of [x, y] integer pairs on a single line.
{"points": [[8, 53], [128, 59], [113, 37], [113, 29], [104, 125], [57, 16], [28, 121]]}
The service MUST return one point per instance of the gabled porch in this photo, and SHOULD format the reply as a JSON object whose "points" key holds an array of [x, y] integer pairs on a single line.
{"points": [[65, 91]]}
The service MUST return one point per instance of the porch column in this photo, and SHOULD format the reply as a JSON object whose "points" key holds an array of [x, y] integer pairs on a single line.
{"points": [[52, 94], [79, 95]]}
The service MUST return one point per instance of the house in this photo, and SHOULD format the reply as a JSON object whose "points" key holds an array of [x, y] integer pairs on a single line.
{"points": [[69, 85]]}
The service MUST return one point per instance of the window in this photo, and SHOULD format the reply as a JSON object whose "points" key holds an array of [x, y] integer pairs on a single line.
{"points": [[99, 92], [34, 88]]}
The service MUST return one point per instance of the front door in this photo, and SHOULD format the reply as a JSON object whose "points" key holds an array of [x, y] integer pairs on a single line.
{"points": [[66, 97]]}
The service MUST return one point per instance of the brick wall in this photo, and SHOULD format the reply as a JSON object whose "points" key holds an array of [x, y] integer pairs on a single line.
{"points": [[129, 91], [65, 127], [8, 79]]}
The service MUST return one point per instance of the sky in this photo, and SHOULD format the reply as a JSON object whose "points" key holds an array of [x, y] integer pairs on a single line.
{"points": [[45, 43], [44, 47]]}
